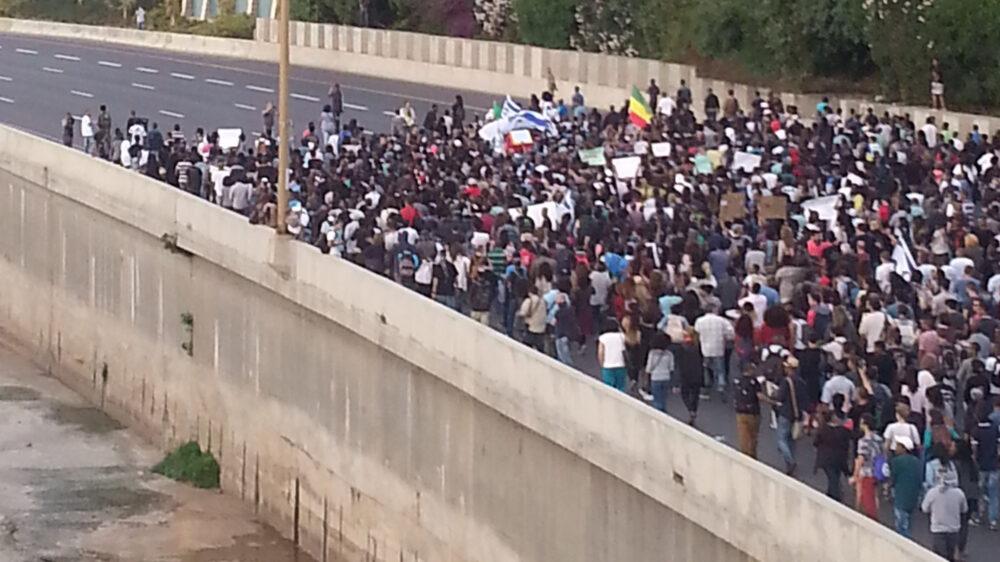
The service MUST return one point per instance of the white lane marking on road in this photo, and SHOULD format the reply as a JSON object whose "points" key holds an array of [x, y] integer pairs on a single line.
{"points": [[389, 113], [52, 70], [143, 86], [81, 94], [6, 100], [218, 82], [26, 51], [6, 79], [109, 63], [245, 106], [147, 70], [356, 107], [172, 114], [66, 57], [182, 76], [260, 89], [304, 97]]}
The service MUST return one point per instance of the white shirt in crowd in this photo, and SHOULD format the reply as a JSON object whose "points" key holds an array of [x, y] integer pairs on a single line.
{"points": [[462, 264], [601, 283], [930, 131], [759, 303], [713, 333], [86, 126], [900, 429], [839, 384], [614, 350], [666, 106], [873, 327]]}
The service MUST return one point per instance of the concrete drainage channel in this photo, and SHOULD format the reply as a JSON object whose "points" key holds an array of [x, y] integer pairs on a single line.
{"points": [[75, 486]]}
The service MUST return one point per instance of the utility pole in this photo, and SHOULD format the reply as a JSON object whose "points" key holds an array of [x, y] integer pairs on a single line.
{"points": [[284, 142]]}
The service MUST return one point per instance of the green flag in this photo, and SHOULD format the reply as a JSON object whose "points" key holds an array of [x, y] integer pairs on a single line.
{"points": [[496, 110]]}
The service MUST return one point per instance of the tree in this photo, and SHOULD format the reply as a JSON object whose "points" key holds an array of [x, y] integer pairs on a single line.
{"points": [[546, 23]]}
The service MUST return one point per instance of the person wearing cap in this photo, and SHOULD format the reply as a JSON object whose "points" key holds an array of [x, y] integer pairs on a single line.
{"points": [[907, 483], [789, 402]]}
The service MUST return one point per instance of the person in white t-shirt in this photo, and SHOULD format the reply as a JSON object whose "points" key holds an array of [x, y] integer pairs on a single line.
{"points": [[900, 428], [611, 355], [666, 106], [87, 131], [930, 132]]}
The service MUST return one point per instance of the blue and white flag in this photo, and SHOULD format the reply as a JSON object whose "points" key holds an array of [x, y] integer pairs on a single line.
{"points": [[510, 108], [513, 118]]}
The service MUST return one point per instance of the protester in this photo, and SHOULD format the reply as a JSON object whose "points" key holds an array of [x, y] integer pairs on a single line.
{"points": [[906, 484], [945, 503], [832, 442]]}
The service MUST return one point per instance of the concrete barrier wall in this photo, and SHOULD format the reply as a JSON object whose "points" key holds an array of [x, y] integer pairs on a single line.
{"points": [[486, 66], [381, 423], [508, 68]]}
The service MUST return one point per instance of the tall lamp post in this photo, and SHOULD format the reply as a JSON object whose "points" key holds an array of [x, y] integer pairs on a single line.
{"points": [[284, 142]]}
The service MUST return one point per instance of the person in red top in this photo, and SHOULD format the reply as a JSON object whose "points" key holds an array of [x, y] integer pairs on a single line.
{"points": [[883, 211], [409, 213], [776, 328]]}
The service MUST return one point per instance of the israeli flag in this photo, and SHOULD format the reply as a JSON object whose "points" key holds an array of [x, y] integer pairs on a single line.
{"points": [[527, 119], [510, 108]]}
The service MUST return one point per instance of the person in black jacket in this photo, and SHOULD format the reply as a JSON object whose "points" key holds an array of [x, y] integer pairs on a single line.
{"points": [[832, 442], [690, 366]]}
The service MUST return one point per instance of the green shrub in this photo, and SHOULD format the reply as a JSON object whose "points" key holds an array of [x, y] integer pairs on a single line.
{"points": [[545, 23], [189, 464]]}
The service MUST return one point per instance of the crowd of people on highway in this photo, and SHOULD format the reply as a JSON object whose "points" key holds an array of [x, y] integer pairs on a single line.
{"points": [[834, 274]]}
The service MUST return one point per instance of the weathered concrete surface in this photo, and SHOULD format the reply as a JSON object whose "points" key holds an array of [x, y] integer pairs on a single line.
{"points": [[75, 486]]}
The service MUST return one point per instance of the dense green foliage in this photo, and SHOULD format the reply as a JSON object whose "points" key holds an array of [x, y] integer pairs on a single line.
{"points": [[189, 464]]}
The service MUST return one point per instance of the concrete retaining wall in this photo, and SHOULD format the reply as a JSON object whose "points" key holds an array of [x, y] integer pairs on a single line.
{"points": [[356, 416]]}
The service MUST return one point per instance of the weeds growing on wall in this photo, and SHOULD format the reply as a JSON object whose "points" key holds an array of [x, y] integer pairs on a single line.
{"points": [[189, 464]]}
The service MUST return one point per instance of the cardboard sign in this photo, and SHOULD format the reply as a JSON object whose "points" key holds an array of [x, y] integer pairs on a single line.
{"points": [[732, 207], [773, 207], [626, 168], [593, 156]]}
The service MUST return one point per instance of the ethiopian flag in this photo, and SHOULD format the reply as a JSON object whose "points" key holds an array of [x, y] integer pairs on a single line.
{"points": [[639, 112]]}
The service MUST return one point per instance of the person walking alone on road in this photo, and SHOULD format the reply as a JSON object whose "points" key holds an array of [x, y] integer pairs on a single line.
{"points": [[336, 104], [140, 18], [268, 117], [67, 125], [458, 114], [87, 131], [611, 354]]}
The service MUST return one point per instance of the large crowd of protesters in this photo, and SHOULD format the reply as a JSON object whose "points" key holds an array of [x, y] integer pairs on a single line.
{"points": [[867, 325]]}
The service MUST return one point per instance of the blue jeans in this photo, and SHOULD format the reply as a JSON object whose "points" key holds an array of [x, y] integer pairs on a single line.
{"points": [[989, 482], [87, 143], [716, 365], [834, 476], [563, 351], [447, 300], [660, 390], [903, 519], [786, 445], [614, 377]]}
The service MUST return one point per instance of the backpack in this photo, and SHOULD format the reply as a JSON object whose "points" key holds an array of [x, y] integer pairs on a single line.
{"points": [[745, 398], [882, 470], [407, 265]]}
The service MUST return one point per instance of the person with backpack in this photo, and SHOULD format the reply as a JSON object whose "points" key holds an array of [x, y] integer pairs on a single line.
{"points": [[746, 400], [407, 263], [869, 468]]}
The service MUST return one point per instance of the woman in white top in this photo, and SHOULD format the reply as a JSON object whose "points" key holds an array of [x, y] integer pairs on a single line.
{"points": [[611, 355], [900, 428], [659, 367]]}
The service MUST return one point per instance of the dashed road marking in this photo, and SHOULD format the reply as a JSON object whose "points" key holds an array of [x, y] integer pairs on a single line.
{"points": [[6, 100], [81, 94], [26, 51], [182, 76], [143, 86], [109, 63], [218, 82], [66, 57], [173, 114], [245, 106], [147, 70], [260, 89], [356, 107], [304, 97], [6, 79], [389, 113], [52, 70]]}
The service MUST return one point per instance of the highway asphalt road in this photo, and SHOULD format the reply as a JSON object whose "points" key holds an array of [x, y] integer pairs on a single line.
{"points": [[42, 79]]}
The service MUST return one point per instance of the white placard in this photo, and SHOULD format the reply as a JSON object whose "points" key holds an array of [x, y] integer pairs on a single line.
{"points": [[555, 212], [229, 138], [826, 207], [746, 161], [660, 149], [626, 168]]}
